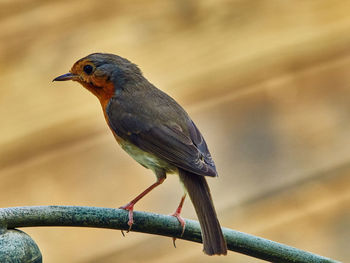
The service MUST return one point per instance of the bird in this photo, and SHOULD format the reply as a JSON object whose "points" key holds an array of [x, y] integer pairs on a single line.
{"points": [[156, 132]]}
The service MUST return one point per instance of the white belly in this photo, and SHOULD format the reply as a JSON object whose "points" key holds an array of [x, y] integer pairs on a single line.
{"points": [[146, 159]]}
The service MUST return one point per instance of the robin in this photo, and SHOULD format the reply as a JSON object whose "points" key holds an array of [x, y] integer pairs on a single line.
{"points": [[157, 132]]}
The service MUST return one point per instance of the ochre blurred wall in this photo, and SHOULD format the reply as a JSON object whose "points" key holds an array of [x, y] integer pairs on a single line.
{"points": [[267, 82]]}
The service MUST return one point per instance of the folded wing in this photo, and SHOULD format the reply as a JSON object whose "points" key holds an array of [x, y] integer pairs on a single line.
{"points": [[183, 147]]}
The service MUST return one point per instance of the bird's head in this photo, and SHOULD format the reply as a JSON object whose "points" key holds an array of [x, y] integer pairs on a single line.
{"points": [[102, 74]]}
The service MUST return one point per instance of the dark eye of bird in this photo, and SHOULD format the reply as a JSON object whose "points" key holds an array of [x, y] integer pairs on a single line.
{"points": [[88, 69]]}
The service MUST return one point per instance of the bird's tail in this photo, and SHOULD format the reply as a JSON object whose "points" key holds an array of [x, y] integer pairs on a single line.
{"points": [[198, 190]]}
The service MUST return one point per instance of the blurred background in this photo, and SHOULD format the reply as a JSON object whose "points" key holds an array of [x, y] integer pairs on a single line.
{"points": [[267, 83]]}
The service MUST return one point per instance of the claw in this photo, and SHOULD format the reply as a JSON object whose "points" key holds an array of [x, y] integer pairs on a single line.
{"points": [[177, 215], [181, 221], [129, 207], [174, 239], [179, 218]]}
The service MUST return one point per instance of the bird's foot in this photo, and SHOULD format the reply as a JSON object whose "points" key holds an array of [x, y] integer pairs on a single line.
{"points": [[179, 218], [182, 223], [129, 207]]}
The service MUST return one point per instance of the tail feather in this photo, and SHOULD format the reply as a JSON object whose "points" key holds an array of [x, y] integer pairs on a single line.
{"points": [[198, 190]]}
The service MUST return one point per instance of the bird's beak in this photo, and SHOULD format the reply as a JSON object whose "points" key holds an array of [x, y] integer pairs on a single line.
{"points": [[68, 76]]}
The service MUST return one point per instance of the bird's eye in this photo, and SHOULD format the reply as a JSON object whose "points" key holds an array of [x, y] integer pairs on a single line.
{"points": [[88, 69]]}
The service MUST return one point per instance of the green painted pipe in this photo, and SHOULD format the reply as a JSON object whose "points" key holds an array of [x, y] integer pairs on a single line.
{"points": [[153, 224]]}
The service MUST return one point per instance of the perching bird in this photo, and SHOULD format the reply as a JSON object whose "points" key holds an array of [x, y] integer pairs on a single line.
{"points": [[156, 131]]}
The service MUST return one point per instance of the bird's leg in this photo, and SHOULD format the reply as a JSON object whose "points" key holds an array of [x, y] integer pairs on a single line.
{"points": [[130, 206], [178, 212], [179, 218]]}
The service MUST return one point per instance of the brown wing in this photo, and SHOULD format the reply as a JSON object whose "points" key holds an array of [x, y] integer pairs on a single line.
{"points": [[186, 150]]}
